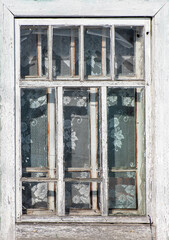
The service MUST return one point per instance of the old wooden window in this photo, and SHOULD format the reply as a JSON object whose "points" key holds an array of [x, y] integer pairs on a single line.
{"points": [[81, 116]]}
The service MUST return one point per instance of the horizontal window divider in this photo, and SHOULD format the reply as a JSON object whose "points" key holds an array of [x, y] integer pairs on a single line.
{"points": [[98, 78], [76, 22], [67, 79], [78, 169], [86, 219], [37, 169], [123, 170], [40, 179], [50, 84], [32, 78], [83, 180]]}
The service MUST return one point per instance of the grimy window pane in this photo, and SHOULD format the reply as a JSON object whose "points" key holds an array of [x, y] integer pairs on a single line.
{"points": [[35, 196], [34, 130], [77, 128], [122, 190], [121, 127], [129, 52], [34, 51], [79, 196], [97, 51], [65, 52], [81, 146]]}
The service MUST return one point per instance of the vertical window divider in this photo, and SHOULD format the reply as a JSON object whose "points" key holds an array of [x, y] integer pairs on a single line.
{"points": [[104, 184], [94, 143], [50, 49], [18, 127], [60, 163], [112, 52], [81, 62], [51, 145]]}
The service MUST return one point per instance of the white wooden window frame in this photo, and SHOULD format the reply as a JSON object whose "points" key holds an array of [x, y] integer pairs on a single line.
{"points": [[93, 82], [155, 171]]}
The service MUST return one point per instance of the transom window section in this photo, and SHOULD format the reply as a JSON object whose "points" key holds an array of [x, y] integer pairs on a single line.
{"points": [[82, 131]]}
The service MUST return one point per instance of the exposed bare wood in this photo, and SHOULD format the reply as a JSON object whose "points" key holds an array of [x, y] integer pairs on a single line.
{"points": [[83, 180]]}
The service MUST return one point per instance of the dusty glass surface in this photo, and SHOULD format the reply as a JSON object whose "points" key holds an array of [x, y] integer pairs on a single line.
{"points": [[34, 51], [121, 127], [81, 196], [65, 56], [77, 111], [34, 195], [122, 190], [129, 52], [97, 51], [34, 106]]}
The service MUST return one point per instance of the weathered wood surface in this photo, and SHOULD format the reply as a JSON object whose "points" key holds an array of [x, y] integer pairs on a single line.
{"points": [[161, 129], [107, 8], [83, 232]]}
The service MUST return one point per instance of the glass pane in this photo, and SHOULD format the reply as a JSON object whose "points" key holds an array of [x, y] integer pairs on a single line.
{"points": [[121, 127], [97, 51], [65, 52], [129, 51], [80, 110], [34, 51], [81, 196], [35, 103], [38, 196], [122, 190], [34, 195]]}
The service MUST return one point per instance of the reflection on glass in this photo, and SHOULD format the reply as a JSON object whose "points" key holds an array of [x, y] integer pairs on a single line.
{"points": [[97, 51], [81, 196], [34, 195], [129, 51], [34, 51], [65, 52], [121, 127], [34, 127], [80, 108], [122, 190], [37, 107]]}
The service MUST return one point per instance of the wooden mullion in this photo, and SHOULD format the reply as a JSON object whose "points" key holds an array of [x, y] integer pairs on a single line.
{"points": [[51, 145], [61, 184], [94, 143], [50, 50], [104, 184]]}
